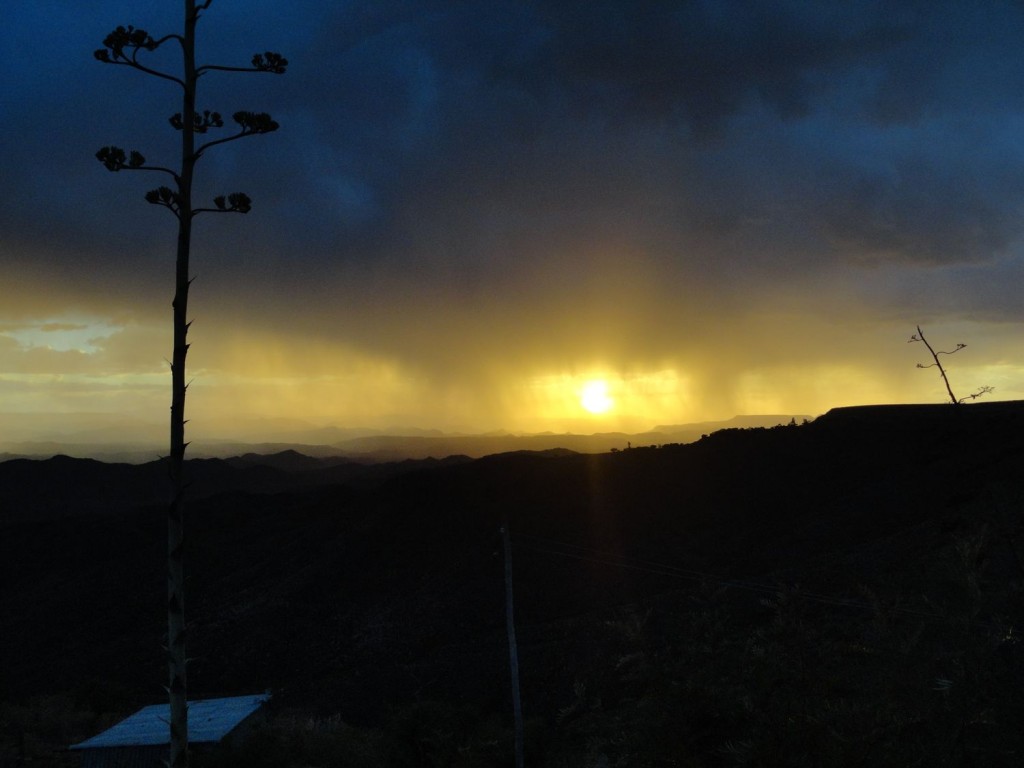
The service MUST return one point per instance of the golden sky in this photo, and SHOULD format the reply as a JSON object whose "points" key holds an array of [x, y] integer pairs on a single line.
{"points": [[453, 367]]}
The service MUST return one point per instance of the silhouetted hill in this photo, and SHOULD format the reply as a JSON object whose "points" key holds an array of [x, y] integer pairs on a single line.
{"points": [[362, 444], [288, 460], [394, 447], [847, 588], [63, 487]]}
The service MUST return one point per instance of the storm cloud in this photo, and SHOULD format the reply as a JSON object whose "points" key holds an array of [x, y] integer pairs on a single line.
{"points": [[466, 199]]}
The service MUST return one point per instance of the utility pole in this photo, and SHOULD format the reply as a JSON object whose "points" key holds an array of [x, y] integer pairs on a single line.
{"points": [[513, 649]]}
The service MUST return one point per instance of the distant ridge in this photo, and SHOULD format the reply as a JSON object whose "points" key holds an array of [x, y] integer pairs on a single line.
{"points": [[377, 446], [390, 448], [740, 422], [921, 416], [925, 410]]}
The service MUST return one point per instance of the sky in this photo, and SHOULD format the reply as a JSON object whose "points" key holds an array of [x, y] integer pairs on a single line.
{"points": [[530, 215]]}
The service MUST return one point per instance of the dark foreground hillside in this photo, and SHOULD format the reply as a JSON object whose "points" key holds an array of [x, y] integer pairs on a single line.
{"points": [[846, 592]]}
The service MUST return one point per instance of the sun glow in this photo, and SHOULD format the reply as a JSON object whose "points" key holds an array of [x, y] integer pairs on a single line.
{"points": [[606, 399], [594, 397]]}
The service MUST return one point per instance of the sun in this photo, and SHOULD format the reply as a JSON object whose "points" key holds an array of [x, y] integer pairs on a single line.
{"points": [[594, 396]]}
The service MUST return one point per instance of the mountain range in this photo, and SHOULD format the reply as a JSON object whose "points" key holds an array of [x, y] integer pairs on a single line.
{"points": [[83, 438]]}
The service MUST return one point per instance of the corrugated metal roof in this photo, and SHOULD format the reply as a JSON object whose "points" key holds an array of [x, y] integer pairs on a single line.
{"points": [[209, 720]]}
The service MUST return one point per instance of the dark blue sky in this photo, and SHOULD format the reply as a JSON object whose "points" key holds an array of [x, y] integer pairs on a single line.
{"points": [[472, 207]]}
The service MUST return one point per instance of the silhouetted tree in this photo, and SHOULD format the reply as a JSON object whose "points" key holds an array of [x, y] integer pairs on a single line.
{"points": [[129, 47], [919, 336]]}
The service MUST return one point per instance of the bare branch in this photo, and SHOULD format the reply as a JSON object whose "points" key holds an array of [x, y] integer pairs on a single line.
{"points": [[236, 202], [225, 140], [268, 61], [156, 73], [126, 37], [201, 123], [166, 197], [251, 123], [114, 159], [981, 391], [919, 336], [122, 47]]}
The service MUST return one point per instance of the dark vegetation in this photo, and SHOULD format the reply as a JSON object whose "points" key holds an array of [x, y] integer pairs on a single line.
{"points": [[845, 592]]}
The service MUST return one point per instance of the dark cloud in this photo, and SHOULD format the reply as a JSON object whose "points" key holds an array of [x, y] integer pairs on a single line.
{"points": [[702, 62], [460, 189], [923, 213], [533, 126]]}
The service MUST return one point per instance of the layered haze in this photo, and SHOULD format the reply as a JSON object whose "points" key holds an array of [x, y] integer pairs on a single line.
{"points": [[474, 212]]}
